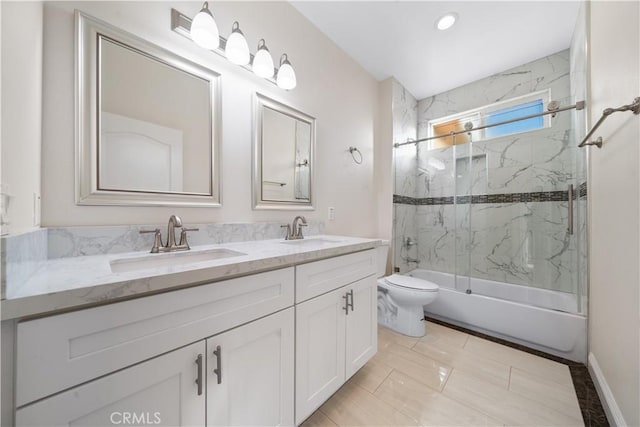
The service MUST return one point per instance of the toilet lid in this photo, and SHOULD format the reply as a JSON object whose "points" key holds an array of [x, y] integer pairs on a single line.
{"points": [[411, 282]]}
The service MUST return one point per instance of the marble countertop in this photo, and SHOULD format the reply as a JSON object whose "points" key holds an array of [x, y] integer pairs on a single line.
{"points": [[71, 283]]}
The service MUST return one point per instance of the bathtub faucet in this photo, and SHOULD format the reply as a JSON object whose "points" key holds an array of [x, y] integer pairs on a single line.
{"points": [[408, 259], [408, 242]]}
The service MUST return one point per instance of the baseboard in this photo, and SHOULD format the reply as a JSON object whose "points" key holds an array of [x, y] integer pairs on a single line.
{"points": [[611, 409]]}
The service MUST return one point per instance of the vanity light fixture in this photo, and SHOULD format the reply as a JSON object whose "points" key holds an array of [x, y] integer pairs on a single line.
{"points": [[204, 31], [286, 77], [262, 61], [237, 49], [446, 21]]}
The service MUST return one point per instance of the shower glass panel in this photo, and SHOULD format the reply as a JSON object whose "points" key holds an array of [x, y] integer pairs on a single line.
{"points": [[522, 248], [405, 222], [462, 166], [490, 215], [482, 206]]}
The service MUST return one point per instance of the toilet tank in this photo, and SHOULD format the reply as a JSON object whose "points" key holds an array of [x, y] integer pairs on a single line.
{"points": [[382, 252]]}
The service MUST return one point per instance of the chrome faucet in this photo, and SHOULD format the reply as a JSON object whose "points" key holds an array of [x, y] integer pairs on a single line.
{"points": [[294, 231], [174, 222]]}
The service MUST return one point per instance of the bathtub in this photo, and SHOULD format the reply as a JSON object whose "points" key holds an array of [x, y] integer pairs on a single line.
{"points": [[536, 318]]}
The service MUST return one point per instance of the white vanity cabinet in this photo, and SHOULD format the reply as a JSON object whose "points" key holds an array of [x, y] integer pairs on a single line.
{"points": [[250, 373], [336, 332], [62, 351], [131, 357], [247, 381], [162, 391], [262, 349]]}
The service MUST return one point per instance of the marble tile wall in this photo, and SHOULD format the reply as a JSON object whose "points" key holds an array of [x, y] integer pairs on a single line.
{"points": [[534, 161], [550, 72], [24, 253], [80, 241], [405, 121], [518, 243], [522, 243], [405, 113]]}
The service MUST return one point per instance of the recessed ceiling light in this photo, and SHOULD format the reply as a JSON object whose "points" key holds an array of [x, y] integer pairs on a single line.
{"points": [[446, 21]]}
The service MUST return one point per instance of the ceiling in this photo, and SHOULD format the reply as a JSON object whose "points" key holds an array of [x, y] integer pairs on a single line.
{"points": [[399, 38]]}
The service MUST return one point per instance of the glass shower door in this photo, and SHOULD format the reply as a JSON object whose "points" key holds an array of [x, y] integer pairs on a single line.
{"points": [[405, 242], [521, 248], [462, 166]]}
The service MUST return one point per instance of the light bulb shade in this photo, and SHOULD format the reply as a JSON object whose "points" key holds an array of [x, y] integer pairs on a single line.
{"points": [[262, 61], [286, 78], [204, 31], [237, 49], [445, 22]]}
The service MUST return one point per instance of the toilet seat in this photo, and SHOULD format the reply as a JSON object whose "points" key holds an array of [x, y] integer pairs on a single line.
{"points": [[412, 283]]}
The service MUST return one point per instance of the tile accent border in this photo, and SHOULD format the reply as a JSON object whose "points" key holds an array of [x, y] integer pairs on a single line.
{"points": [[536, 196], [593, 413], [582, 191], [539, 196]]}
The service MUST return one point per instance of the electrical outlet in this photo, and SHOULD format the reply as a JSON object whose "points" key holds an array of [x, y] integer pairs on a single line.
{"points": [[331, 214]]}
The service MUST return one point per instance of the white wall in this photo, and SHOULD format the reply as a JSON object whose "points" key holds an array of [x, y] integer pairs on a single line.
{"points": [[21, 109], [384, 159], [614, 208], [331, 87]]}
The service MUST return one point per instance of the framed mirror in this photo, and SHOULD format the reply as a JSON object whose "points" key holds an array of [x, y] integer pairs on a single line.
{"points": [[284, 141], [148, 122]]}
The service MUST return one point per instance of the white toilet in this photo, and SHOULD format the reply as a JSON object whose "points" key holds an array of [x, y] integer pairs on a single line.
{"points": [[401, 299]]}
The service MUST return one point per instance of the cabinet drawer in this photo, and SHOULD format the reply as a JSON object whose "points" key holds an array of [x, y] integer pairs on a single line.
{"points": [[316, 278], [58, 352]]}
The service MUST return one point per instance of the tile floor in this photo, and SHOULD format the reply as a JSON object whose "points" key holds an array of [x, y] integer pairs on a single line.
{"points": [[450, 378]]}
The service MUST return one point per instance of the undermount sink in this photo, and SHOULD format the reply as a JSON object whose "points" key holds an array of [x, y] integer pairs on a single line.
{"points": [[311, 241], [123, 265]]}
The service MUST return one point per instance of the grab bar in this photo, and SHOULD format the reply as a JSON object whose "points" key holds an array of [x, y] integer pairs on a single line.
{"points": [[633, 107]]}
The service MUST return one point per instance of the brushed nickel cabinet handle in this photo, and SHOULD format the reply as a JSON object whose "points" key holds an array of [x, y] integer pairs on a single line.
{"points": [[346, 303], [199, 378], [218, 371], [350, 304]]}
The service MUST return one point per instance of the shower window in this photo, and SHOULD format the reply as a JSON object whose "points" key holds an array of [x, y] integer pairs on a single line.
{"points": [[452, 124], [513, 108], [510, 113]]}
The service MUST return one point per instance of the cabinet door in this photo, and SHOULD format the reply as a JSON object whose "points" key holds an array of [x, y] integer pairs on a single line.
{"points": [[250, 375], [362, 324], [320, 339], [162, 391]]}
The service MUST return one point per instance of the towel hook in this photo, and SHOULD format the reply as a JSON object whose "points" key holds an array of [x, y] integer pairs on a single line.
{"points": [[355, 159]]}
